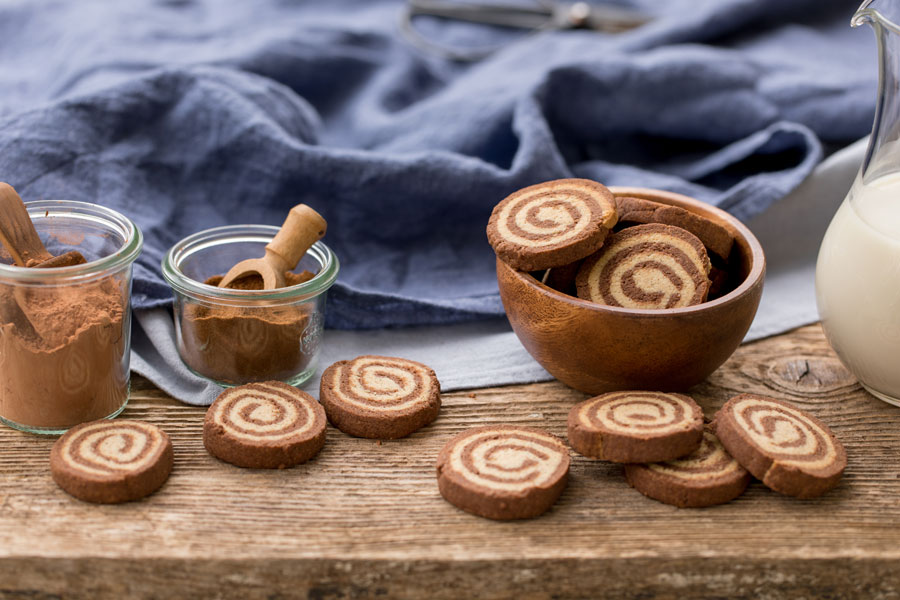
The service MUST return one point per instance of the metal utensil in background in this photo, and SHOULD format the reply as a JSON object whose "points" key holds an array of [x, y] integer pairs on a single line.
{"points": [[543, 16]]}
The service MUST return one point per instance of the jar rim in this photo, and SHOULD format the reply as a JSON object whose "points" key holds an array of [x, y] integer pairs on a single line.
{"points": [[185, 285], [126, 254]]}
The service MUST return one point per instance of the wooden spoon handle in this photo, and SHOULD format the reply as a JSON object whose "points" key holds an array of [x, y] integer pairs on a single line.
{"points": [[17, 232], [302, 227]]}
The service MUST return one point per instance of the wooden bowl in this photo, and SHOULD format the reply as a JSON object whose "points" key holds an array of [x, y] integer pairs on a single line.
{"points": [[596, 348]]}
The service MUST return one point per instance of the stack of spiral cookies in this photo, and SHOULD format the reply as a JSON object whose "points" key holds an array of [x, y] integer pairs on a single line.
{"points": [[668, 450], [670, 455], [578, 238]]}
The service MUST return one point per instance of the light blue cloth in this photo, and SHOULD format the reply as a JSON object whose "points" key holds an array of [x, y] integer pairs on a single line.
{"points": [[191, 114]]}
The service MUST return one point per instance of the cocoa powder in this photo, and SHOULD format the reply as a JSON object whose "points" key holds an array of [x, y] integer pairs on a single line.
{"points": [[62, 352], [243, 344]]}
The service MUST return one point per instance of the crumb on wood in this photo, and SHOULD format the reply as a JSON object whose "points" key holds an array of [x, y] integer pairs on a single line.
{"points": [[472, 395]]}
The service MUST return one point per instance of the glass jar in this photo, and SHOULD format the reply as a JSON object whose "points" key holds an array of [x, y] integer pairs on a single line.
{"points": [[238, 336], [65, 332]]}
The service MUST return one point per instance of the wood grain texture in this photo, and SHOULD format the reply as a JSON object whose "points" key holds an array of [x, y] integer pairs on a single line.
{"points": [[364, 519]]}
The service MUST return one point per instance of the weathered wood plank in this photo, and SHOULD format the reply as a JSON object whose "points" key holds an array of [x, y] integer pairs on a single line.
{"points": [[364, 519], [534, 579]]}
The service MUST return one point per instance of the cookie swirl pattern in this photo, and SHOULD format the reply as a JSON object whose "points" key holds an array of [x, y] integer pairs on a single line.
{"points": [[265, 426], [649, 266], [264, 411], [787, 449], [786, 432], [709, 461], [112, 461], [380, 396], [706, 477], [384, 383], [503, 472], [110, 447], [551, 224], [652, 412], [636, 426]]}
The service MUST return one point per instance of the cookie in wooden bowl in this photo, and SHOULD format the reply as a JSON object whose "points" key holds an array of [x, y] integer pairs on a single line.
{"points": [[598, 348], [716, 237], [651, 266], [552, 223]]}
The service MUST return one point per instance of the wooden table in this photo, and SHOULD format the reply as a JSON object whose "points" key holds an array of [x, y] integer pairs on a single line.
{"points": [[365, 520]]}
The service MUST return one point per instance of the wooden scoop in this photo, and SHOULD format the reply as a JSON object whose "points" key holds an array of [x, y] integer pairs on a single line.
{"points": [[300, 230], [20, 238]]}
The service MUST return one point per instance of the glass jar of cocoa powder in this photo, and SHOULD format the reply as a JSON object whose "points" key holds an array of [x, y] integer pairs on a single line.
{"points": [[65, 332], [237, 336]]}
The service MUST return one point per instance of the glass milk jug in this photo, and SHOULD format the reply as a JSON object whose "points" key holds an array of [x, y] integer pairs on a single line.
{"points": [[858, 270]]}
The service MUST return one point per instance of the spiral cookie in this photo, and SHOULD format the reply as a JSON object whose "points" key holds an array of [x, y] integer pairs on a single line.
{"points": [[111, 461], [503, 472], [706, 476], [717, 238], [268, 425], [787, 449], [552, 223], [648, 266], [636, 427], [380, 397]]}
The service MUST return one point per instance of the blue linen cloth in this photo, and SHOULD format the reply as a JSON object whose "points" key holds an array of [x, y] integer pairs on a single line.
{"points": [[186, 114]]}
